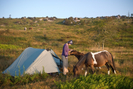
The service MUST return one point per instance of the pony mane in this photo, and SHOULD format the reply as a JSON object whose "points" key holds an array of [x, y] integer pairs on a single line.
{"points": [[81, 61], [77, 52]]}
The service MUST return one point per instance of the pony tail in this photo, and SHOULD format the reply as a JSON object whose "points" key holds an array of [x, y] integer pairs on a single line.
{"points": [[113, 62]]}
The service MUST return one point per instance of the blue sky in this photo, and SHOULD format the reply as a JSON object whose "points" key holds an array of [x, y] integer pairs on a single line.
{"points": [[64, 8]]}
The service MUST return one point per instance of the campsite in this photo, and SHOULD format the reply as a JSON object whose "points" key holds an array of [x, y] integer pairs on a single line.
{"points": [[29, 38]]}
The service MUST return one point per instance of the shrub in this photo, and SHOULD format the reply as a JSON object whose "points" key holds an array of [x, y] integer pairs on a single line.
{"points": [[68, 22]]}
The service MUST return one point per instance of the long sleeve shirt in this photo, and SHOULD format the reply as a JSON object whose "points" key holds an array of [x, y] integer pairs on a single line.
{"points": [[65, 50]]}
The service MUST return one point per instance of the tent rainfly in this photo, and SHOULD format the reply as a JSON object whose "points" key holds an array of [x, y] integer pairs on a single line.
{"points": [[34, 60]]}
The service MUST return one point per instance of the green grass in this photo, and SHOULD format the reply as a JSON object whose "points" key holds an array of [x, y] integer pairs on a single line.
{"points": [[8, 80], [8, 46], [97, 82], [11, 39]]}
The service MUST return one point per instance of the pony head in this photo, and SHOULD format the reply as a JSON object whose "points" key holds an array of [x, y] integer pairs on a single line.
{"points": [[73, 52]]}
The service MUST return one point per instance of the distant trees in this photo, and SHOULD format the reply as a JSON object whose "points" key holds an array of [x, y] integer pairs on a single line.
{"points": [[69, 21], [74, 21]]}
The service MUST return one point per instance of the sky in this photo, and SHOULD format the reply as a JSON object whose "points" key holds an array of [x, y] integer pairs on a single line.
{"points": [[64, 8]]}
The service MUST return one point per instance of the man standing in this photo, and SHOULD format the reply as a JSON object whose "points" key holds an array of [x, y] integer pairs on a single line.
{"points": [[65, 56]]}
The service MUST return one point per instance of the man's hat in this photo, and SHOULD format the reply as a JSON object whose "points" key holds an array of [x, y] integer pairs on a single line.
{"points": [[70, 42]]}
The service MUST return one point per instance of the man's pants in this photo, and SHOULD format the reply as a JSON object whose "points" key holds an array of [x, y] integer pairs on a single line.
{"points": [[65, 64]]}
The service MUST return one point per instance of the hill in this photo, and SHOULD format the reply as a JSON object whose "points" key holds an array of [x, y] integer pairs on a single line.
{"points": [[114, 35]]}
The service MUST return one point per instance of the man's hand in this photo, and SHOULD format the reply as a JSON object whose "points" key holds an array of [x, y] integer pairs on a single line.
{"points": [[71, 50]]}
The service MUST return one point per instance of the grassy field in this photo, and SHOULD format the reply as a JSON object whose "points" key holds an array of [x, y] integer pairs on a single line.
{"points": [[116, 34]]}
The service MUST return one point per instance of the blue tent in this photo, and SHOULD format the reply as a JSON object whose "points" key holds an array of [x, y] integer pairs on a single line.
{"points": [[34, 60]]}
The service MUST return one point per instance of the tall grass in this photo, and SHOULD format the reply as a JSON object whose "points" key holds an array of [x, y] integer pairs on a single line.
{"points": [[8, 80], [97, 82]]}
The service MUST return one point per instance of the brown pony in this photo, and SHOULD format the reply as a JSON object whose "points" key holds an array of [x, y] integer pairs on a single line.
{"points": [[92, 60], [77, 54]]}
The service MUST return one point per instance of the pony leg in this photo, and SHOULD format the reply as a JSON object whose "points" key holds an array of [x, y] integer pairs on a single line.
{"points": [[113, 65], [92, 69], [99, 67], [86, 71], [108, 68], [114, 72], [113, 69]]}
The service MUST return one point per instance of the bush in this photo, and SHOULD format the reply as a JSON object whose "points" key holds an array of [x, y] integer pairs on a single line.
{"points": [[69, 22], [82, 22]]}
